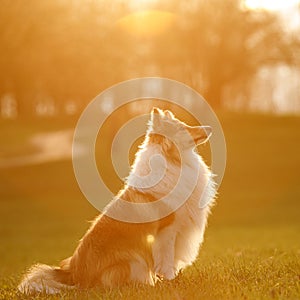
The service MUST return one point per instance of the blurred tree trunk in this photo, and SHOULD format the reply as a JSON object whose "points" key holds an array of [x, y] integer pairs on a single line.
{"points": [[214, 93]]}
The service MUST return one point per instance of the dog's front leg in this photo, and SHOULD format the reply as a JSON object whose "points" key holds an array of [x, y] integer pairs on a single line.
{"points": [[164, 253]]}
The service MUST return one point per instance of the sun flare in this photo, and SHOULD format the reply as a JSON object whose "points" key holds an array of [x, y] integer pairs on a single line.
{"points": [[147, 23]]}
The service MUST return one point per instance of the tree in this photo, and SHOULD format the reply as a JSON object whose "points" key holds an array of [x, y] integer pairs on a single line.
{"points": [[73, 50], [219, 43]]}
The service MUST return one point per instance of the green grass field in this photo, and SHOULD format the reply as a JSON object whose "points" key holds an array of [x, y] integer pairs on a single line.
{"points": [[252, 244]]}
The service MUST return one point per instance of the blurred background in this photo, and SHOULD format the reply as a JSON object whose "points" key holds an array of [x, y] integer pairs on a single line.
{"points": [[57, 55]]}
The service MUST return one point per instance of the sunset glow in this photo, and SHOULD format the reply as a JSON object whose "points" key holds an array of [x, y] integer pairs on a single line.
{"points": [[271, 4], [147, 23]]}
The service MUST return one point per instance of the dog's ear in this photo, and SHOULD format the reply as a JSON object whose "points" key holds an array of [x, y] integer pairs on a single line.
{"points": [[169, 114], [156, 116], [156, 110]]}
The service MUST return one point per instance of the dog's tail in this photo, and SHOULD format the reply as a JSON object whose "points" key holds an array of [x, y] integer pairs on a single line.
{"points": [[47, 279]]}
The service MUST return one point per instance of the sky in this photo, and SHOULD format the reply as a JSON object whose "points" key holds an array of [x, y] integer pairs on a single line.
{"points": [[272, 4]]}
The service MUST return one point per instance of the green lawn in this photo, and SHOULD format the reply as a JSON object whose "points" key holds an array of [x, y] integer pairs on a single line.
{"points": [[252, 244]]}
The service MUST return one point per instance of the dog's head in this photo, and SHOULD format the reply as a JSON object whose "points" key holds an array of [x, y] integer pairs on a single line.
{"points": [[174, 131]]}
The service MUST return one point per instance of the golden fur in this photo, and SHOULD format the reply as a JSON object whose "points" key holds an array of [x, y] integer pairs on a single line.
{"points": [[113, 252]]}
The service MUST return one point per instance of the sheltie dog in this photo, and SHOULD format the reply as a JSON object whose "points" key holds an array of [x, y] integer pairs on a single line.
{"points": [[114, 251]]}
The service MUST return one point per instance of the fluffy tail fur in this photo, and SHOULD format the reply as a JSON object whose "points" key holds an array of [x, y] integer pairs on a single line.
{"points": [[43, 278]]}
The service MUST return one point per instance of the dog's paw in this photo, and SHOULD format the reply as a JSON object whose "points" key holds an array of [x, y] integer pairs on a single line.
{"points": [[167, 274]]}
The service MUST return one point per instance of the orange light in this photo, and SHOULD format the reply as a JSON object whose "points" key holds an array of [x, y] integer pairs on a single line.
{"points": [[147, 23], [270, 4]]}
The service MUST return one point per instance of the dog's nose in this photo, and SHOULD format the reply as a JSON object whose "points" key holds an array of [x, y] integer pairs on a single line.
{"points": [[208, 130]]}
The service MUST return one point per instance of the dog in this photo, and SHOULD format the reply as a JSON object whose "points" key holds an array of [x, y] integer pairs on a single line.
{"points": [[116, 252]]}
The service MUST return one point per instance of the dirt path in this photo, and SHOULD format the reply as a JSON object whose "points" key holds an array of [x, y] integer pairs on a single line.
{"points": [[52, 146]]}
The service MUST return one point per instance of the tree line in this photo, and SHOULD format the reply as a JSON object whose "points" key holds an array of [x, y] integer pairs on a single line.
{"points": [[72, 50]]}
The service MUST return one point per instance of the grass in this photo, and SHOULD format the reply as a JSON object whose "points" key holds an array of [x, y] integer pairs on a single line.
{"points": [[252, 244]]}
